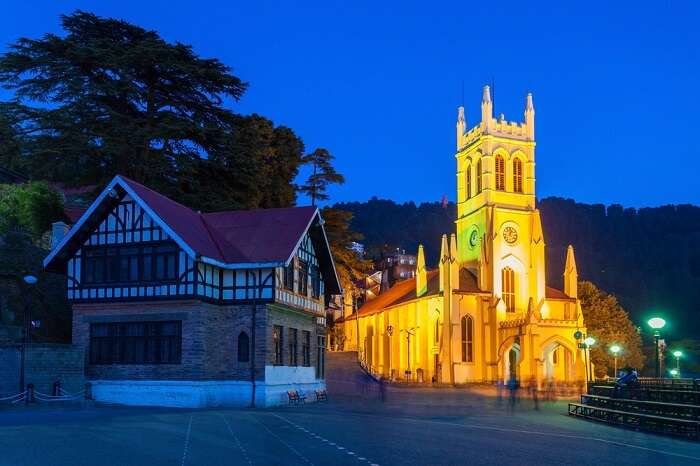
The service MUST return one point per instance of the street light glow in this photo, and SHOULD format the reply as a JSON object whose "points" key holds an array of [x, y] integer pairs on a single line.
{"points": [[29, 279], [677, 353], [589, 341], [657, 323], [615, 349], [674, 372]]}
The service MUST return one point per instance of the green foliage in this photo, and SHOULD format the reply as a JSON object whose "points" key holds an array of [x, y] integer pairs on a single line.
{"points": [[350, 266], [110, 98], [31, 207], [609, 324], [323, 173]]}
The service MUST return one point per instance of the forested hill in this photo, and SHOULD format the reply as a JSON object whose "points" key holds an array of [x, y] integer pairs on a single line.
{"points": [[649, 258]]}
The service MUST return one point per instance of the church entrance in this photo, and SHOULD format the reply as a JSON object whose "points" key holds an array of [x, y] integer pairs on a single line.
{"points": [[512, 361], [558, 363]]}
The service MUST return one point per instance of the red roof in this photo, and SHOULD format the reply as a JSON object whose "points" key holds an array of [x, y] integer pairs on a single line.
{"points": [[405, 290], [235, 236], [74, 213], [553, 293]]}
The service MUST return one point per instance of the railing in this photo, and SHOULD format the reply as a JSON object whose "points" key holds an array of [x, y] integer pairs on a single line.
{"points": [[666, 425], [676, 410], [647, 394]]}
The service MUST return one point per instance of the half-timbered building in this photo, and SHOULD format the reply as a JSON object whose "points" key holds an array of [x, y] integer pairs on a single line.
{"points": [[179, 308]]}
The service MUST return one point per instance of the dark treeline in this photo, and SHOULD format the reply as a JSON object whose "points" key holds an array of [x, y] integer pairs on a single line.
{"points": [[649, 258]]}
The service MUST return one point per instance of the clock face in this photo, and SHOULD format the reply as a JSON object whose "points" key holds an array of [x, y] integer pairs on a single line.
{"points": [[473, 238], [510, 234]]}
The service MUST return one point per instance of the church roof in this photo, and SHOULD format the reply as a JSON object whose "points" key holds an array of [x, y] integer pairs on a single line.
{"points": [[405, 291], [230, 239], [553, 293]]}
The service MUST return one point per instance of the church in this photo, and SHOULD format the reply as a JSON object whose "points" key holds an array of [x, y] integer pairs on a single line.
{"points": [[485, 314]]}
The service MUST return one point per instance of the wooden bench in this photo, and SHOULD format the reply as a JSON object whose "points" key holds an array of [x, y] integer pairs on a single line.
{"points": [[647, 422], [656, 408], [293, 396], [321, 395]]}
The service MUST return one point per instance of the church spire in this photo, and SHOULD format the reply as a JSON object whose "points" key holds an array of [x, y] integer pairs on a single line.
{"points": [[461, 126], [444, 264], [530, 116], [421, 275], [570, 274], [486, 108]]}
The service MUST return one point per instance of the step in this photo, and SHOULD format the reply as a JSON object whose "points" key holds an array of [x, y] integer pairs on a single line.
{"points": [[647, 422]]}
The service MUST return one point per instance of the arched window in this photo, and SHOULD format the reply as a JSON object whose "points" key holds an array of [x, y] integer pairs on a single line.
{"points": [[508, 279], [467, 339], [478, 176], [517, 175], [468, 183], [500, 173], [243, 347]]}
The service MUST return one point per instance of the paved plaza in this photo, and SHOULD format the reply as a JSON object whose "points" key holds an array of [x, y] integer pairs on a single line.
{"points": [[340, 432]]}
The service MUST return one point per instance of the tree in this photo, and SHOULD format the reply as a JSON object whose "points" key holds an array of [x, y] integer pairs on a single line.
{"points": [[609, 324], [350, 266], [113, 97], [32, 207], [323, 174]]}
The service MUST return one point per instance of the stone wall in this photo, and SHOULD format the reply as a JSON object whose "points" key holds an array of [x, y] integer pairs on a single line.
{"points": [[209, 339], [9, 369], [45, 363]]}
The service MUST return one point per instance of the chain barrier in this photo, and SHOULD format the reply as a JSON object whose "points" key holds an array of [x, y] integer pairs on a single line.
{"points": [[64, 396], [14, 398]]}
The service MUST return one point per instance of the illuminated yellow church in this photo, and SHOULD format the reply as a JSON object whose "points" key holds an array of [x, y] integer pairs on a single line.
{"points": [[486, 314]]}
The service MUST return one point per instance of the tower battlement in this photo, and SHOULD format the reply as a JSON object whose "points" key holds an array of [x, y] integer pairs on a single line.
{"points": [[523, 131]]}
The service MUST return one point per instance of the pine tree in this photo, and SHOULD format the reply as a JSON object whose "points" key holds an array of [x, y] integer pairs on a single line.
{"points": [[350, 266], [323, 174]]}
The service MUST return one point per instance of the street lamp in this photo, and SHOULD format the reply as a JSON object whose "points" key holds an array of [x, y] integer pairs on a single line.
{"points": [[615, 349], [678, 354], [657, 323], [674, 372], [590, 341], [29, 280]]}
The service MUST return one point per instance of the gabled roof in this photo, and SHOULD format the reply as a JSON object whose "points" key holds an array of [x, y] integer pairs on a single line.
{"points": [[405, 291], [231, 239], [553, 293]]}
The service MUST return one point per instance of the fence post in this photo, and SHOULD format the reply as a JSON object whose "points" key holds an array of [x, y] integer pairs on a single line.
{"points": [[30, 393]]}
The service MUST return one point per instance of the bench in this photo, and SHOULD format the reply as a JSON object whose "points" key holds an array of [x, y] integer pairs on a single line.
{"points": [[658, 408], [648, 422], [321, 395], [294, 398]]}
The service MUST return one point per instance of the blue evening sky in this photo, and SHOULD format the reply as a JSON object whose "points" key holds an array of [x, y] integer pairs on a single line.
{"points": [[616, 84]]}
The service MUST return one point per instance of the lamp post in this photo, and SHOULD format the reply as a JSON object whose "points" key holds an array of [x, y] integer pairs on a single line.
{"points": [[589, 341], [615, 349], [29, 280], [657, 323], [677, 354]]}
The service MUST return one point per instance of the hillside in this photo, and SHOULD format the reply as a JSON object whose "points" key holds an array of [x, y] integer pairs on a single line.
{"points": [[649, 258]]}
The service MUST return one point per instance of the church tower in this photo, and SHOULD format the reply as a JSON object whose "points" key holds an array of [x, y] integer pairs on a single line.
{"points": [[497, 220]]}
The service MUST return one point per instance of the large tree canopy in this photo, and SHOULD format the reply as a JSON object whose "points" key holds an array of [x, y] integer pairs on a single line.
{"points": [[110, 97], [609, 324]]}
